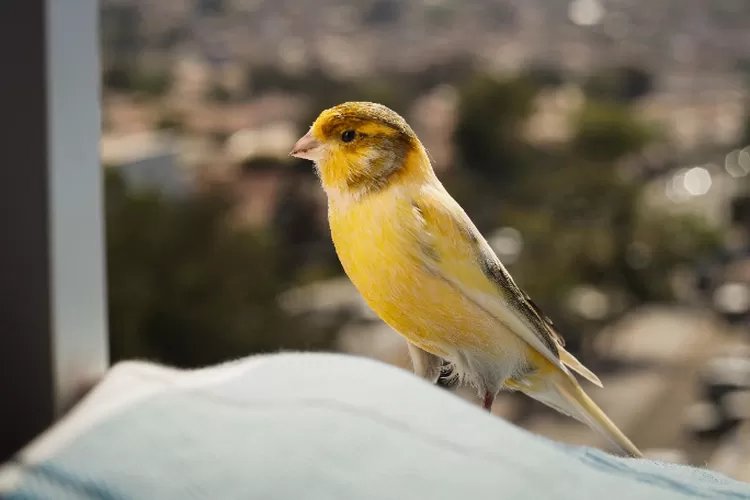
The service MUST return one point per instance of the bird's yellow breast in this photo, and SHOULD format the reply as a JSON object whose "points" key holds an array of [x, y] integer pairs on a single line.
{"points": [[376, 241]]}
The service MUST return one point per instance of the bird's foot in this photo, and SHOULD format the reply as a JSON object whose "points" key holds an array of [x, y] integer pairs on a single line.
{"points": [[448, 376]]}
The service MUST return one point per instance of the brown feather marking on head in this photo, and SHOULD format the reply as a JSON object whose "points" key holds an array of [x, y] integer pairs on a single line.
{"points": [[350, 114]]}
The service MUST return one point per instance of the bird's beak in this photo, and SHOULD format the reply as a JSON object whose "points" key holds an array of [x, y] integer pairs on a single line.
{"points": [[308, 148]]}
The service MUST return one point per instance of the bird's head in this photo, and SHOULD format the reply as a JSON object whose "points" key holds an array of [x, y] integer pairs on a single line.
{"points": [[361, 147]]}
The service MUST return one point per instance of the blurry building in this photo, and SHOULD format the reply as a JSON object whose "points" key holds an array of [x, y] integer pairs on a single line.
{"points": [[147, 161], [695, 110], [551, 123], [260, 167], [434, 120]]}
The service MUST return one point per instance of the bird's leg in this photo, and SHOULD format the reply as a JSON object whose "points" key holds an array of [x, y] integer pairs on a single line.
{"points": [[425, 364], [487, 400]]}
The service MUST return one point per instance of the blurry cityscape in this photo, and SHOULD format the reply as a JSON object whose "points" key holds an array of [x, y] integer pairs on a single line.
{"points": [[602, 146]]}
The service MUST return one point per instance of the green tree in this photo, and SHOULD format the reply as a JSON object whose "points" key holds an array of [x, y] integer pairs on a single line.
{"points": [[189, 289], [489, 129], [607, 132], [545, 75], [131, 78], [305, 247], [170, 120], [152, 83], [218, 93], [118, 77], [621, 84]]}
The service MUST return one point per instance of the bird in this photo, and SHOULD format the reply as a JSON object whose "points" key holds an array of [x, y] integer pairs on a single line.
{"points": [[421, 264]]}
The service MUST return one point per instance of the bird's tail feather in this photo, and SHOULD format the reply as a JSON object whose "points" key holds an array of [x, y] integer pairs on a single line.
{"points": [[564, 394], [571, 362]]}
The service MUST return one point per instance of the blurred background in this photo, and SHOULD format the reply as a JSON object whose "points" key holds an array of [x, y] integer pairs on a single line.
{"points": [[602, 146]]}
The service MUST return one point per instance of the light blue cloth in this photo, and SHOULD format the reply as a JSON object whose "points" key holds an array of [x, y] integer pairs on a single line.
{"points": [[319, 426]]}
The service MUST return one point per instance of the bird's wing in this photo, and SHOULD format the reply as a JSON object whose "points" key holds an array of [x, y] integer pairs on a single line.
{"points": [[541, 325], [454, 249]]}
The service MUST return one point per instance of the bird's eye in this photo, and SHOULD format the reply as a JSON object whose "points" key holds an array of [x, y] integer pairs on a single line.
{"points": [[348, 135]]}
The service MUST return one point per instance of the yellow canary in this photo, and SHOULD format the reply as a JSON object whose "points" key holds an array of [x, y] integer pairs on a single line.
{"points": [[424, 268]]}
